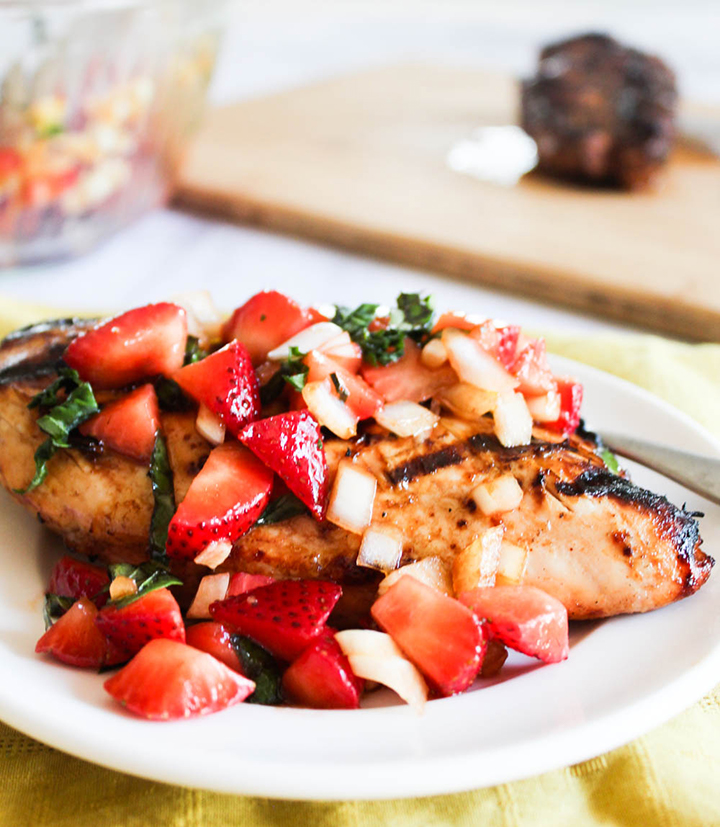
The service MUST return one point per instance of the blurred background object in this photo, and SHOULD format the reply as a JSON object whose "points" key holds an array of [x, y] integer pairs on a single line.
{"points": [[97, 100]]}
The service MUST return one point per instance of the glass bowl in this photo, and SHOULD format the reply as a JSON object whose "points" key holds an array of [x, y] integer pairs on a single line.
{"points": [[97, 101]]}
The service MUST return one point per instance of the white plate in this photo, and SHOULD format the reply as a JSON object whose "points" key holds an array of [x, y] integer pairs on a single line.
{"points": [[624, 676]]}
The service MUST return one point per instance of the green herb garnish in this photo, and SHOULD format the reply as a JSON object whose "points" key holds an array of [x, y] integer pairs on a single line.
{"points": [[193, 351], [61, 417], [171, 396], [148, 577], [161, 478], [339, 386], [610, 460], [293, 371], [54, 607], [260, 666], [283, 508]]}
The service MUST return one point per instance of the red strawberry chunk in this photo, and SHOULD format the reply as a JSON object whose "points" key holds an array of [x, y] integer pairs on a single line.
{"points": [[128, 425], [291, 444], [223, 501], [440, 635], [241, 582], [128, 629], [215, 639], [500, 341], [265, 321], [225, 382], [532, 370], [168, 680], [74, 638], [408, 378], [77, 578], [138, 344], [362, 400], [524, 618], [321, 677], [571, 396], [284, 617]]}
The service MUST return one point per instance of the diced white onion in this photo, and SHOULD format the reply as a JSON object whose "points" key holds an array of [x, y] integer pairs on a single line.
{"points": [[511, 565], [212, 587], [122, 587], [214, 554], [434, 354], [210, 426], [544, 408], [352, 497], [477, 564], [203, 319], [306, 340], [498, 496], [430, 570], [467, 401], [513, 423], [474, 364], [329, 409], [376, 657], [406, 418], [381, 548]]}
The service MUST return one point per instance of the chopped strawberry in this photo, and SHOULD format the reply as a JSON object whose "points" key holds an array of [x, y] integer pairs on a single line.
{"points": [[284, 617], [128, 425], [524, 618], [265, 321], [439, 635], [74, 638], [460, 321], [129, 628], [362, 400], [532, 370], [408, 378], [215, 639], [223, 501], [343, 351], [571, 396], [226, 382], [321, 677], [168, 680], [291, 444], [136, 345], [241, 582], [10, 162], [77, 578], [500, 341]]}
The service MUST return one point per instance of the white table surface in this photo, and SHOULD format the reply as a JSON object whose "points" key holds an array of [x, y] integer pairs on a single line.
{"points": [[273, 45]]}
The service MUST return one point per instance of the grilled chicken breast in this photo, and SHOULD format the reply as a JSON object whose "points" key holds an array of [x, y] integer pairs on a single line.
{"points": [[600, 544]]}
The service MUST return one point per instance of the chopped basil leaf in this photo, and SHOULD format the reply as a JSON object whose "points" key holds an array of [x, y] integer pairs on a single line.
{"points": [[339, 385], [293, 371], [161, 478], [610, 460], [193, 351], [55, 606], [260, 666], [148, 578], [61, 418], [171, 396], [283, 508], [417, 312]]}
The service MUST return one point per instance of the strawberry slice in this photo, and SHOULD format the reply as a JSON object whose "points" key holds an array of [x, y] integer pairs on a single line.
{"points": [[226, 382], [74, 638], [129, 628], [571, 396], [223, 501], [440, 635], [408, 378], [291, 444], [168, 680], [321, 677], [265, 321], [532, 370], [524, 618], [215, 639], [284, 617], [78, 578], [500, 341], [242, 582], [362, 400], [138, 344], [128, 425]]}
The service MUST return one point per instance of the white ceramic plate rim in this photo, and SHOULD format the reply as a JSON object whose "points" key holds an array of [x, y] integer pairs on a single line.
{"points": [[90, 727]]}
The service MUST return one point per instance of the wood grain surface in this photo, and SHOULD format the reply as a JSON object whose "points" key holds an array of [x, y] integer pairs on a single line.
{"points": [[360, 161]]}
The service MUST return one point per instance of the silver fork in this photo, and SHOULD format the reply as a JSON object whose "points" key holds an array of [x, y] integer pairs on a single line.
{"points": [[696, 472]]}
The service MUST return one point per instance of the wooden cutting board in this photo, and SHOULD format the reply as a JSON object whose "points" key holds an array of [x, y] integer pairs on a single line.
{"points": [[361, 162]]}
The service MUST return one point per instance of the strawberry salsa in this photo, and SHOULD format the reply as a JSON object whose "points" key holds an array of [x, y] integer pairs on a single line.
{"points": [[268, 386]]}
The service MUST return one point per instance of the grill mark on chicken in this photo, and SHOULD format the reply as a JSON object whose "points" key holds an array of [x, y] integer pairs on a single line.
{"points": [[424, 464]]}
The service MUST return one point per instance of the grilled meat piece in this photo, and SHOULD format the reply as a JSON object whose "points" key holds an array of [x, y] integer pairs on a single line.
{"points": [[597, 542], [600, 111]]}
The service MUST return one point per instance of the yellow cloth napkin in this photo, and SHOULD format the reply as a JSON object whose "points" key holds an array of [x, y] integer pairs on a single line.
{"points": [[669, 777]]}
